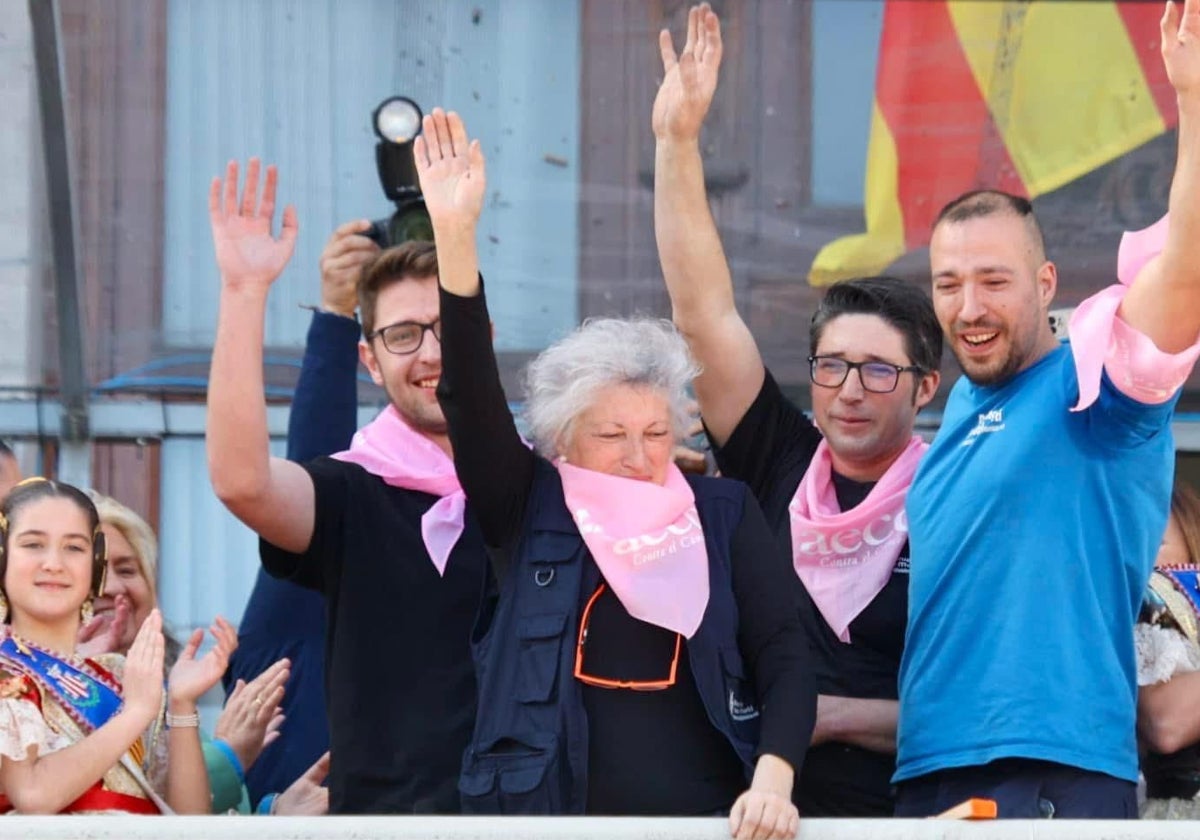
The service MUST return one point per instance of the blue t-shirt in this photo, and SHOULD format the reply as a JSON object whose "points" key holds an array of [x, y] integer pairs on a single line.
{"points": [[1033, 530]]}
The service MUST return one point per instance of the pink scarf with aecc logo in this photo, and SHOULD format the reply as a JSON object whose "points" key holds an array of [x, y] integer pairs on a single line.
{"points": [[647, 540], [844, 558]]}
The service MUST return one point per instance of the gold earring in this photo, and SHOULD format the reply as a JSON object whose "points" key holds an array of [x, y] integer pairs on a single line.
{"points": [[3, 607], [86, 612]]}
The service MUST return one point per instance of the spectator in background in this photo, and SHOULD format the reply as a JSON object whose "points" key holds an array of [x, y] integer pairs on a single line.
{"points": [[1167, 638], [875, 347], [10, 470], [283, 619], [250, 720]]}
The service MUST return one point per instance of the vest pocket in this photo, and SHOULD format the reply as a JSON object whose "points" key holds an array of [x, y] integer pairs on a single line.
{"points": [[537, 667], [511, 776]]}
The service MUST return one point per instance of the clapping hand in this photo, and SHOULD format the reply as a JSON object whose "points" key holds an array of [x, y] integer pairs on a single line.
{"points": [[103, 633], [142, 681], [190, 677], [251, 718]]}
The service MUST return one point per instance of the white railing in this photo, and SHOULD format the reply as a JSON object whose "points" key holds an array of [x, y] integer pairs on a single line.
{"points": [[583, 828]]}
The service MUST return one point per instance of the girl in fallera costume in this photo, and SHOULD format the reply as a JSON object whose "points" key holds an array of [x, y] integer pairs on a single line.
{"points": [[84, 735]]}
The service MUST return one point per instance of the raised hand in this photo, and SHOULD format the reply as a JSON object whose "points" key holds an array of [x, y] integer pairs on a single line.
{"points": [[190, 677], [451, 170], [251, 718], [247, 253], [1181, 46], [342, 261], [689, 79], [142, 679]]}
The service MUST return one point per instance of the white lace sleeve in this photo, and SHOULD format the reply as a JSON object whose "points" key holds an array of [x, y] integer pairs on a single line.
{"points": [[1162, 653], [21, 727]]}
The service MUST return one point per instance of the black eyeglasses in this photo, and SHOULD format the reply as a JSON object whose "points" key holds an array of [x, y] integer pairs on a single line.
{"points": [[406, 337], [876, 377]]}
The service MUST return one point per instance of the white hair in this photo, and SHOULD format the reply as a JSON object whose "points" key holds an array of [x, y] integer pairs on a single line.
{"points": [[562, 382]]}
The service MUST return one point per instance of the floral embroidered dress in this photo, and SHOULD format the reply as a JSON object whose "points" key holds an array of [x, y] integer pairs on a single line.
{"points": [[51, 703], [1167, 640]]}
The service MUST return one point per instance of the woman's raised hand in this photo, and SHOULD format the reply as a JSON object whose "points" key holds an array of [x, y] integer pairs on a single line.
{"points": [[451, 170]]}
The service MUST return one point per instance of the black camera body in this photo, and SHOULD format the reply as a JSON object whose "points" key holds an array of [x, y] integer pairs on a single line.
{"points": [[410, 221], [398, 177]]}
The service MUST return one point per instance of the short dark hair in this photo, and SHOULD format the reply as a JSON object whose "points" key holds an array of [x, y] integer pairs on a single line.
{"points": [[414, 258], [6, 450], [899, 304], [979, 204], [34, 489]]}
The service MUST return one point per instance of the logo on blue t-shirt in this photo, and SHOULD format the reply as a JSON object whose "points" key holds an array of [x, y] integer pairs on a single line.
{"points": [[992, 421]]}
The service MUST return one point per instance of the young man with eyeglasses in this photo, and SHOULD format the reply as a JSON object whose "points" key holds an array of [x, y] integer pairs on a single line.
{"points": [[834, 492], [382, 529]]}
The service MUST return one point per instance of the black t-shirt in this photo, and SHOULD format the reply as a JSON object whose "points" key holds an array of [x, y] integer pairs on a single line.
{"points": [[399, 681], [771, 449], [652, 752]]}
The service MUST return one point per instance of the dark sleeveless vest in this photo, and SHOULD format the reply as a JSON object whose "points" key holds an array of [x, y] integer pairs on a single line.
{"points": [[528, 754]]}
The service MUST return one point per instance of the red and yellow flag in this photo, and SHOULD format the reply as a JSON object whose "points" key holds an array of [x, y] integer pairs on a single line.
{"points": [[1008, 94]]}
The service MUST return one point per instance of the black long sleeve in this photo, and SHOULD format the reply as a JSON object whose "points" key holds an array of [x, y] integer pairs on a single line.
{"points": [[494, 465], [772, 639]]}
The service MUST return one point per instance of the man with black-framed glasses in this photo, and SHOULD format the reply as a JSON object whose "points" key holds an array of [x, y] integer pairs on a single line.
{"points": [[382, 530], [834, 492]]}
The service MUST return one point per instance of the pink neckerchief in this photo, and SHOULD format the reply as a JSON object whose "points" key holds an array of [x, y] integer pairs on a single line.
{"points": [[389, 448], [1101, 341], [845, 558], [647, 540]]}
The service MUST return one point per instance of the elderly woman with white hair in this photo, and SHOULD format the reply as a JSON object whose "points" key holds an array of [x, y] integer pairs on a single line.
{"points": [[645, 655]]}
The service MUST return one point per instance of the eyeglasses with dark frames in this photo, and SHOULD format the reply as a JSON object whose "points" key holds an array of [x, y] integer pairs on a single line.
{"points": [[405, 337], [876, 377]]}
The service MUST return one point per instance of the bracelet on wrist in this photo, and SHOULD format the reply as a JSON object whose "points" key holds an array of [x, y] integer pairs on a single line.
{"points": [[191, 721]]}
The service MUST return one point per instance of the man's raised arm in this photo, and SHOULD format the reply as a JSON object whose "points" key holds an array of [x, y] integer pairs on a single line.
{"points": [[1164, 300], [689, 247], [273, 496]]}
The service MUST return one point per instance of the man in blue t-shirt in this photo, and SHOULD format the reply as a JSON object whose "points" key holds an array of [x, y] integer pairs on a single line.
{"points": [[1036, 514]]}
